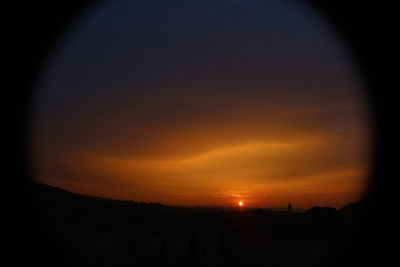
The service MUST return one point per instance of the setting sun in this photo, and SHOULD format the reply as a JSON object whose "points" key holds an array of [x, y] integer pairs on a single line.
{"points": [[240, 203]]}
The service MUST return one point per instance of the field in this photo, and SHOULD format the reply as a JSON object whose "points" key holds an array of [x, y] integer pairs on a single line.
{"points": [[87, 231]]}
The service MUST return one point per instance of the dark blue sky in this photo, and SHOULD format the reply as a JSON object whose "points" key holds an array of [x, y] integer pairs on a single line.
{"points": [[133, 43]]}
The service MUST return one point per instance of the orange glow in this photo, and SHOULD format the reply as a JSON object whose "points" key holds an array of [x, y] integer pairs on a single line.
{"points": [[275, 174], [241, 203]]}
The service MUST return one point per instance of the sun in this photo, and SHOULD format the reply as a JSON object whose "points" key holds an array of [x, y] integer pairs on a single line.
{"points": [[240, 203]]}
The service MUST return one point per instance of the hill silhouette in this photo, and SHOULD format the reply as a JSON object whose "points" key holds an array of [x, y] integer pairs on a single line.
{"points": [[93, 231]]}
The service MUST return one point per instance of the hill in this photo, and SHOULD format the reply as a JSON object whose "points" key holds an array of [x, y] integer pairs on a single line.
{"points": [[102, 232]]}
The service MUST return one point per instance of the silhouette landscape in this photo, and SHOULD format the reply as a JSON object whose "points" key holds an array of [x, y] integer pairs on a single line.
{"points": [[94, 231]]}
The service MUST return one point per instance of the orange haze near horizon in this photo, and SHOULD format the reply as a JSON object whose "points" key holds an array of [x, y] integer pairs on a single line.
{"points": [[325, 169]]}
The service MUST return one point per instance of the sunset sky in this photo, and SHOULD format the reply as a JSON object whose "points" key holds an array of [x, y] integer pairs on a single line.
{"points": [[196, 103]]}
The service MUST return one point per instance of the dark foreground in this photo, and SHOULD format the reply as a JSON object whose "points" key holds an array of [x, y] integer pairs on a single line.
{"points": [[85, 231]]}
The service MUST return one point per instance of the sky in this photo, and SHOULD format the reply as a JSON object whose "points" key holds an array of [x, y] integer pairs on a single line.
{"points": [[200, 103]]}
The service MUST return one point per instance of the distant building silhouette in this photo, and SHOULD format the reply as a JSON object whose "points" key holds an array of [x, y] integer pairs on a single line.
{"points": [[289, 208]]}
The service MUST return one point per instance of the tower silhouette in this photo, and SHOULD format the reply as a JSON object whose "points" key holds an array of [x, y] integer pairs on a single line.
{"points": [[289, 208]]}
